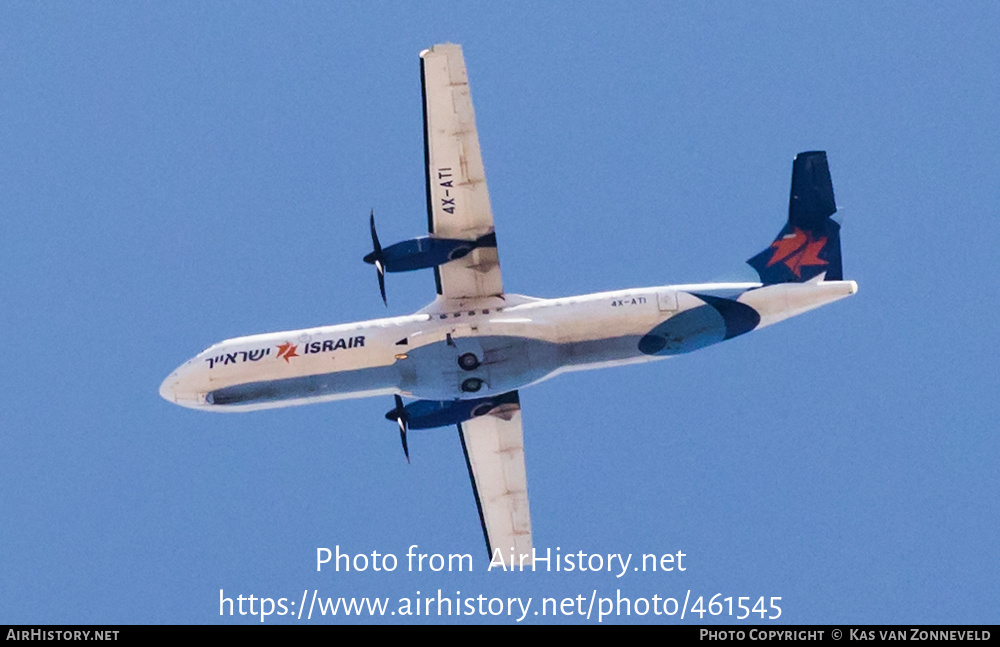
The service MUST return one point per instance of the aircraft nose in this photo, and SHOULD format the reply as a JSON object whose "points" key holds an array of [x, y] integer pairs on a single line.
{"points": [[183, 387], [168, 390]]}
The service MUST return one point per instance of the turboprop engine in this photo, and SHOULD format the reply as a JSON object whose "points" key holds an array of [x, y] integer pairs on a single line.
{"points": [[420, 253], [428, 414]]}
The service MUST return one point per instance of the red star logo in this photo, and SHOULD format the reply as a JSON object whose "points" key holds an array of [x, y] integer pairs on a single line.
{"points": [[287, 350], [797, 249]]}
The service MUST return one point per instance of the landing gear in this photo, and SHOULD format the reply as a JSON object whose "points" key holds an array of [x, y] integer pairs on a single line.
{"points": [[472, 384], [482, 409], [468, 362]]}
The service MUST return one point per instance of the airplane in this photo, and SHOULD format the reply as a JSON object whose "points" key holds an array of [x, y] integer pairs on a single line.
{"points": [[463, 358]]}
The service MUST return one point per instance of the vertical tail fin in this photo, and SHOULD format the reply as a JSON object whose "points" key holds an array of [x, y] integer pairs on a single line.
{"points": [[809, 243]]}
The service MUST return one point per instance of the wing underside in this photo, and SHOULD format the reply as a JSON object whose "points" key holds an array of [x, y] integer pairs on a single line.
{"points": [[458, 203], [494, 453], [458, 207]]}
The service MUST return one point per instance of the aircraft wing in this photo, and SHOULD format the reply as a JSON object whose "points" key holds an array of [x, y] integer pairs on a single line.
{"points": [[494, 452], [458, 204], [458, 207]]}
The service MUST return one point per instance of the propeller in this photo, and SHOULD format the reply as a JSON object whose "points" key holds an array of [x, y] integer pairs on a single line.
{"points": [[379, 261], [402, 417]]}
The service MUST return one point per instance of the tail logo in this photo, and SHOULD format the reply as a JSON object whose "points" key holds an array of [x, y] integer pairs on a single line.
{"points": [[798, 249]]}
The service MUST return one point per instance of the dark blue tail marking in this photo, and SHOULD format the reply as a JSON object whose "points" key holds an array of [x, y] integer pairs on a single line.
{"points": [[809, 243], [720, 319]]}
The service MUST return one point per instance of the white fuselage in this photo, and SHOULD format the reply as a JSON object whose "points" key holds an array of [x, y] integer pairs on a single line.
{"points": [[517, 341]]}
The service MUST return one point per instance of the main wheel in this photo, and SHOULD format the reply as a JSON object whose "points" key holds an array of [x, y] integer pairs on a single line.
{"points": [[472, 385], [468, 361], [482, 409]]}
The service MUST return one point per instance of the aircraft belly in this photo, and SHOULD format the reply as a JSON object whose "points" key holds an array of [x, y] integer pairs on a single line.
{"points": [[302, 379], [328, 386], [601, 352], [432, 372], [508, 363]]}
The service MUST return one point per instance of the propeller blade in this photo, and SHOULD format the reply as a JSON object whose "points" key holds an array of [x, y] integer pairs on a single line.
{"points": [[375, 243], [378, 258], [401, 419], [402, 437], [381, 282]]}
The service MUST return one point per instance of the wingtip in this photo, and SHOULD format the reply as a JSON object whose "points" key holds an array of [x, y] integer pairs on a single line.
{"points": [[439, 46]]}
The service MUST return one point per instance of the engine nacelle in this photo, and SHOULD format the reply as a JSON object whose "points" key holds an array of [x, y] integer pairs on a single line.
{"points": [[427, 251], [428, 414]]}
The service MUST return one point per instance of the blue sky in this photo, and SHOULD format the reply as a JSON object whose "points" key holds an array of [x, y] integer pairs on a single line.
{"points": [[173, 174]]}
